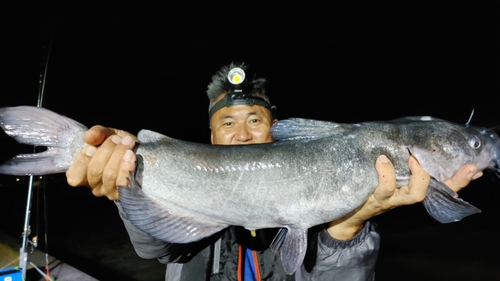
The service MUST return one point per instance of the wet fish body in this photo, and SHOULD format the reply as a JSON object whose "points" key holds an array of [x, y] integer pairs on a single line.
{"points": [[317, 172]]}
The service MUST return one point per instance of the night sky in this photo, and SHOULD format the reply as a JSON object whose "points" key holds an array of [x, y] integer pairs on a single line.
{"points": [[134, 66], [141, 66]]}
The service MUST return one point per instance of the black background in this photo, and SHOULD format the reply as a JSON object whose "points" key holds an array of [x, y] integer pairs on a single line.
{"points": [[135, 66]]}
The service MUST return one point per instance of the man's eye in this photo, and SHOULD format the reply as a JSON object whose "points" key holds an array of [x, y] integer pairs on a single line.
{"points": [[254, 121], [228, 123]]}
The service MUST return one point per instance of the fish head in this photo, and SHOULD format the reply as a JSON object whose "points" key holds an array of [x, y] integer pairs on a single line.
{"points": [[443, 147]]}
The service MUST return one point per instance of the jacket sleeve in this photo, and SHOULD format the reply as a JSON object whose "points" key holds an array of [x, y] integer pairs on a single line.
{"points": [[353, 259], [148, 247]]}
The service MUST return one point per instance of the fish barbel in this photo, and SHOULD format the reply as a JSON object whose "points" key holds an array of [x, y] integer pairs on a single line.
{"points": [[316, 172]]}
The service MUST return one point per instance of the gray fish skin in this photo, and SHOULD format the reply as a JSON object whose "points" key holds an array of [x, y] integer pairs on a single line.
{"points": [[315, 173]]}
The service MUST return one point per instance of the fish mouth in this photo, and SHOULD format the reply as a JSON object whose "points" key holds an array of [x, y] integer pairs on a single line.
{"points": [[496, 151], [496, 166], [497, 172]]}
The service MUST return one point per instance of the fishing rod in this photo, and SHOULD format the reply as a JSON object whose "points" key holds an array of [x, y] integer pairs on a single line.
{"points": [[23, 251]]}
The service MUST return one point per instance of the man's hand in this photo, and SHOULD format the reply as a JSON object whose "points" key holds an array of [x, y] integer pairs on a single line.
{"points": [[387, 196], [101, 164], [462, 178]]}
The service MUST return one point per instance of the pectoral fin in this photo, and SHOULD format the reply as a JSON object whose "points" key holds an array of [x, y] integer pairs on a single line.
{"points": [[443, 204], [291, 243]]}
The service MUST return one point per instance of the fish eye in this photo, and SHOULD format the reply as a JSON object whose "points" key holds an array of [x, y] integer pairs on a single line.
{"points": [[475, 143]]}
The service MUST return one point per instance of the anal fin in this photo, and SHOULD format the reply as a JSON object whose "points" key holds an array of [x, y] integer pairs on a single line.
{"points": [[291, 243]]}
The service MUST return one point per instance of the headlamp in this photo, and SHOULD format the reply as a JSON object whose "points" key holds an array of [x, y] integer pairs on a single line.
{"points": [[240, 93], [236, 76]]}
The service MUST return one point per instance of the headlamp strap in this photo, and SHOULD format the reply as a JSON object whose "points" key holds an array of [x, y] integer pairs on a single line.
{"points": [[237, 97]]}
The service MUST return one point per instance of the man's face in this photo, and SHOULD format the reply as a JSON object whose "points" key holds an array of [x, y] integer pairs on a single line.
{"points": [[241, 124]]}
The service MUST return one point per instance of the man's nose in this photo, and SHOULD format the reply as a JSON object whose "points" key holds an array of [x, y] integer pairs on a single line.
{"points": [[243, 134]]}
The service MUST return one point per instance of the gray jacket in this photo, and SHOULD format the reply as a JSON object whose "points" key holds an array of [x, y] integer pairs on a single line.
{"points": [[326, 257]]}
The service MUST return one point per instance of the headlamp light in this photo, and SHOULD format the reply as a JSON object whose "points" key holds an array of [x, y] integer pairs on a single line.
{"points": [[240, 93]]}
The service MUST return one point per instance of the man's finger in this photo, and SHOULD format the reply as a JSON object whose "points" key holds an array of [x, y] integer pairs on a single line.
{"points": [[98, 134], [386, 178], [463, 177], [99, 162], [127, 166], [417, 187], [111, 177], [76, 175]]}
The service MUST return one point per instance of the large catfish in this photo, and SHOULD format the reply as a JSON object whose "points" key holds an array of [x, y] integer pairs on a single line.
{"points": [[316, 172]]}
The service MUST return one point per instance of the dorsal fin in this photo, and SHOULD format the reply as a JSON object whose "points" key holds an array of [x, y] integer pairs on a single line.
{"points": [[299, 128]]}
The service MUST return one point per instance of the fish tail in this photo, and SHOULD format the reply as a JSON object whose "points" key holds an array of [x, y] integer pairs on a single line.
{"points": [[38, 126]]}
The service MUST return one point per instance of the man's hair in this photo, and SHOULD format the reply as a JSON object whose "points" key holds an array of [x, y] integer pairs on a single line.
{"points": [[220, 83]]}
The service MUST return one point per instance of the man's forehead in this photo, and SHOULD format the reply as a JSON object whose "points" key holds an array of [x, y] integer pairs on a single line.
{"points": [[238, 98], [241, 110]]}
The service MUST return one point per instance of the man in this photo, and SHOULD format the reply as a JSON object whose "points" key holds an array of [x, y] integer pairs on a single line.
{"points": [[240, 113]]}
